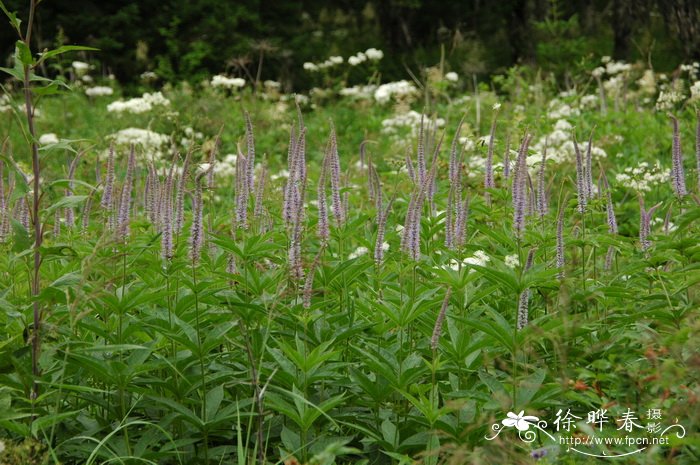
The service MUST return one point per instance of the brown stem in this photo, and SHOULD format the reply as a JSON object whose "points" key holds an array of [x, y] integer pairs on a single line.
{"points": [[36, 168]]}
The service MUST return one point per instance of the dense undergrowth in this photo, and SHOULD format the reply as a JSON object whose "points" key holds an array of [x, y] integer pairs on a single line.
{"points": [[234, 292]]}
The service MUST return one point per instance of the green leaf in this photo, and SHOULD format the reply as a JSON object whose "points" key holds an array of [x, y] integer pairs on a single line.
{"points": [[494, 329], [214, 398], [20, 237], [17, 73], [64, 49], [64, 144], [23, 54], [69, 201], [528, 387], [389, 432], [53, 88], [15, 22]]}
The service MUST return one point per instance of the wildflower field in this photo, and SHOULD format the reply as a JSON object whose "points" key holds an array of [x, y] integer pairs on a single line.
{"points": [[432, 271]]}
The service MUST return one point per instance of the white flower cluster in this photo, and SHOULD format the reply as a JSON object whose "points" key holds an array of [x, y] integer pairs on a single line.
{"points": [[5, 103], [468, 143], [371, 54], [479, 258], [695, 91], [558, 109], [226, 168], [190, 136], [693, 70], [99, 91], [670, 226], [149, 76], [150, 142], [359, 92], [361, 250], [647, 83], [613, 86], [330, 62], [48, 138], [643, 177], [395, 90], [80, 67], [412, 120], [452, 76], [588, 102], [611, 67], [282, 174], [511, 261], [669, 97], [560, 146], [226, 82], [139, 104]]}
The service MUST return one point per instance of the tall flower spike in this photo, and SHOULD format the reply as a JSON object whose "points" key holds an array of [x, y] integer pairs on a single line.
{"points": [[166, 226], [523, 300], [197, 229], [454, 161], [542, 203], [107, 193], [437, 329], [250, 152], [612, 220], [323, 230], [415, 226], [677, 171], [148, 192], [609, 209], [241, 191], [57, 223], [334, 164], [580, 180], [560, 240], [432, 187], [645, 223], [125, 201], [309, 283], [154, 195], [381, 229], [589, 168], [260, 190], [288, 190], [180, 196], [460, 229], [86, 213], [299, 186], [378, 193], [531, 196], [449, 222], [421, 153], [409, 168], [295, 263], [22, 212], [520, 188], [291, 150]]}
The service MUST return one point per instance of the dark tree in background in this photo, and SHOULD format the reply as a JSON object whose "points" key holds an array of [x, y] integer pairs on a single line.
{"points": [[191, 39]]}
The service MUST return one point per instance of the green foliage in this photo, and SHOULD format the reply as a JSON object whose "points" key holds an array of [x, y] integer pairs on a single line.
{"points": [[146, 360]]}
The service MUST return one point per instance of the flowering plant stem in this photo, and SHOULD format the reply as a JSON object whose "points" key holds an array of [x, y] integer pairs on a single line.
{"points": [[36, 221]]}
